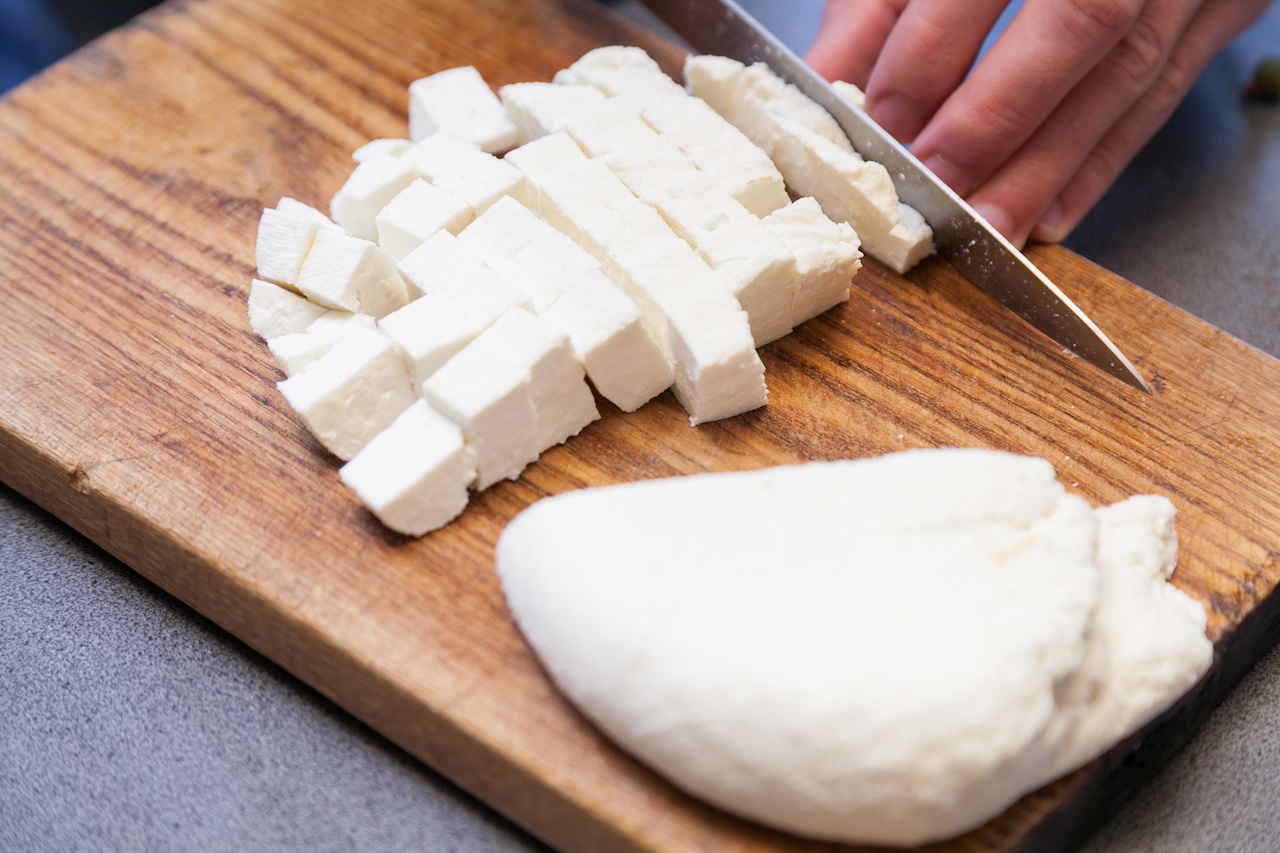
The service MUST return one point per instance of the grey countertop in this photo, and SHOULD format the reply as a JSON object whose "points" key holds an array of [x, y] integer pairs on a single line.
{"points": [[129, 722]]}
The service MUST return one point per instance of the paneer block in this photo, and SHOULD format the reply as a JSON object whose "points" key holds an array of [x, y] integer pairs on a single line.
{"points": [[501, 231], [351, 274], [718, 373], [460, 101], [415, 474], [562, 400], [418, 211], [295, 351], [438, 153], [443, 265], [539, 109], [722, 151], [367, 190], [274, 311], [351, 393], [826, 252], [622, 72], [285, 234], [433, 328]]}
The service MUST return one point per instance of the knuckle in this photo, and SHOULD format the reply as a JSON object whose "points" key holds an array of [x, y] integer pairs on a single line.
{"points": [[1140, 57], [1088, 18]]}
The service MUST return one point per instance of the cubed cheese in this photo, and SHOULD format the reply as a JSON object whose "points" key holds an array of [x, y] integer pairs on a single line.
{"points": [[369, 188], [351, 274], [284, 236], [438, 153], [501, 231], [433, 328], [609, 127], [444, 265], [481, 180], [414, 475], [722, 151], [274, 311], [295, 352], [539, 109], [622, 72], [351, 393], [826, 255], [907, 243], [460, 101], [418, 211], [557, 384], [394, 147]]}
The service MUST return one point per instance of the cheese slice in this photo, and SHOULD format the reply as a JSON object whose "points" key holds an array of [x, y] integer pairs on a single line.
{"points": [[351, 393], [274, 311], [459, 101], [351, 274], [414, 475]]}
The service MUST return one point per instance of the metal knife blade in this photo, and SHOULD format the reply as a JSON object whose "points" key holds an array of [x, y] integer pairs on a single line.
{"points": [[965, 239]]}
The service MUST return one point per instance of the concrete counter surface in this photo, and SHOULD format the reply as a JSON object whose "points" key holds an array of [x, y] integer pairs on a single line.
{"points": [[132, 723]]}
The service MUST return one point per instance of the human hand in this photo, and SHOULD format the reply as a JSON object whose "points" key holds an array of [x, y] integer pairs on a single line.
{"points": [[1044, 124]]}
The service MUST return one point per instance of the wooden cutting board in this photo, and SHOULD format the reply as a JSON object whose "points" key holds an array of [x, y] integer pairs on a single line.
{"points": [[137, 405]]}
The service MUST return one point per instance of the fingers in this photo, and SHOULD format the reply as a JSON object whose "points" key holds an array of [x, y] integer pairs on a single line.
{"points": [[1213, 26], [851, 36], [925, 58], [1050, 46]]}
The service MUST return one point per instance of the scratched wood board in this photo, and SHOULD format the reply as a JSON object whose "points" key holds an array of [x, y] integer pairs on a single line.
{"points": [[137, 405]]}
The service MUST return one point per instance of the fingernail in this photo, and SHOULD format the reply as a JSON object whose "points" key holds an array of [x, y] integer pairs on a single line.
{"points": [[947, 171], [997, 216], [899, 115], [1049, 227]]}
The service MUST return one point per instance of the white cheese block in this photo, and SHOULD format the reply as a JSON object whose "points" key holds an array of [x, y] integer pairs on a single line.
{"points": [[755, 267], [606, 128], [367, 190], [720, 150], [433, 328], [284, 236], [784, 101], [501, 231], [418, 211], [394, 147], [444, 265], [481, 180], [907, 243], [296, 351], [539, 109], [351, 393], [622, 72], [414, 475], [440, 152], [827, 256], [460, 101], [351, 274], [562, 400], [768, 687], [538, 160], [274, 311]]}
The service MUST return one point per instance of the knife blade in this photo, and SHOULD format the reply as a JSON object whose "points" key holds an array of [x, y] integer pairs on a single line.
{"points": [[979, 252]]}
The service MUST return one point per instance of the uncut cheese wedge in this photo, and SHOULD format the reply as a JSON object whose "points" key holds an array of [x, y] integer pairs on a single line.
{"points": [[414, 475], [568, 287], [704, 331], [849, 188], [459, 101], [515, 391], [351, 393]]}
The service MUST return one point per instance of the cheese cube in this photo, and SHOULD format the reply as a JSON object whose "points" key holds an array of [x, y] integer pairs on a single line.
{"points": [[481, 180], [501, 231], [351, 274], [722, 151], [487, 394], [439, 152], [611, 126], [394, 147], [460, 101], [539, 109], [351, 393], [622, 72], [367, 190], [714, 79], [295, 352], [274, 311], [418, 211], [284, 236], [414, 475], [907, 243], [442, 264], [785, 102], [562, 400], [826, 255], [718, 373], [749, 260], [540, 158], [433, 328]]}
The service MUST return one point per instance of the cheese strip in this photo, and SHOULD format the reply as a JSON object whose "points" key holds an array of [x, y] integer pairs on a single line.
{"points": [[705, 332], [351, 393], [414, 474], [849, 188], [459, 101], [568, 287]]}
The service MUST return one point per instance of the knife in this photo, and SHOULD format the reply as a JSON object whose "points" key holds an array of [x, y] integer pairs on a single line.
{"points": [[965, 239]]}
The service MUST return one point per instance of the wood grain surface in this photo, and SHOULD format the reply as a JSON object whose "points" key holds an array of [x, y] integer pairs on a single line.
{"points": [[137, 405]]}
